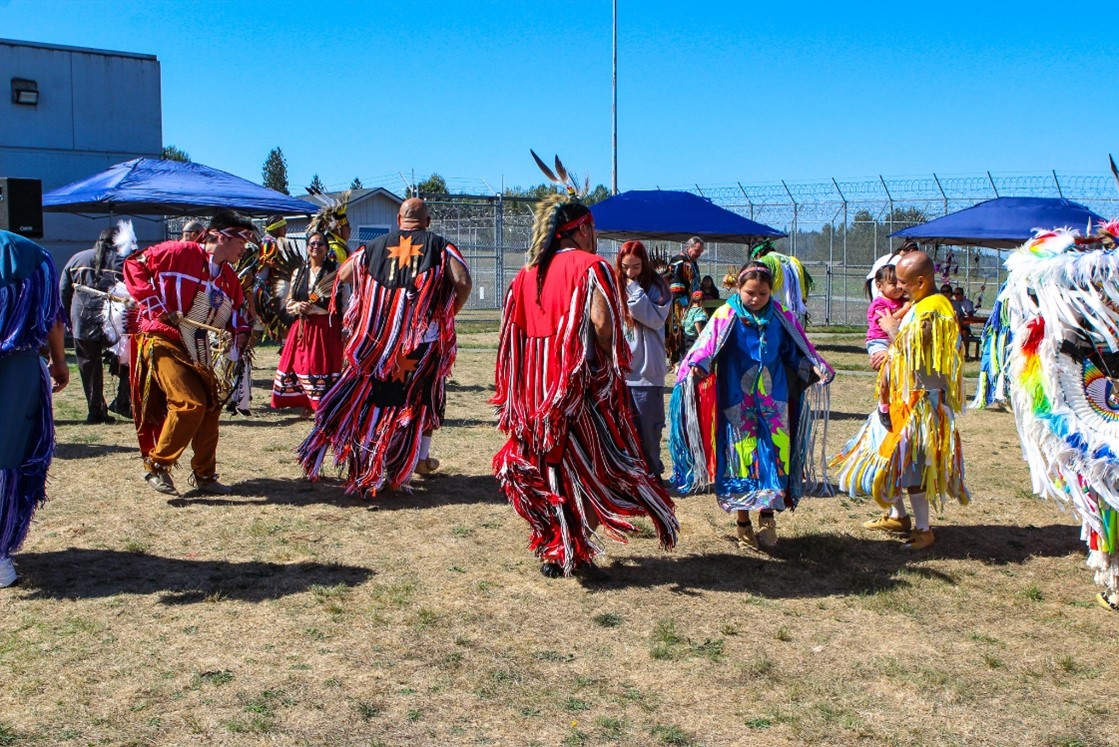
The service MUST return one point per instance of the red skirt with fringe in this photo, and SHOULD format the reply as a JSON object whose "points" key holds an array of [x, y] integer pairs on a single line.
{"points": [[310, 363]]}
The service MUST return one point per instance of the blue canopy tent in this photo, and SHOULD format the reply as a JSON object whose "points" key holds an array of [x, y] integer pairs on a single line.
{"points": [[1002, 223], [674, 216], [145, 186]]}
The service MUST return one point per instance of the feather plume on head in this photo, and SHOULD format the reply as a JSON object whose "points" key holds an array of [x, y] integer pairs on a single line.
{"points": [[125, 239], [332, 215], [544, 224], [555, 217]]}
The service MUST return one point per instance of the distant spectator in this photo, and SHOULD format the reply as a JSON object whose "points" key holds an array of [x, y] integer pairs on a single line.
{"points": [[946, 290], [695, 318], [709, 289], [964, 308], [192, 231], [962, 304]]}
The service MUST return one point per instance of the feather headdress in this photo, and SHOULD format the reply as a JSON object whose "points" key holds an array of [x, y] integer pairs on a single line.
{"points": [[332, 215], [568, 181], [546, 216], [1051, 347], [125, 239]]}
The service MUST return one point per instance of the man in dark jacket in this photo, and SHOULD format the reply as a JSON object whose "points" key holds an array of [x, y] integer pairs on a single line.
{"points": [[95, 270]]}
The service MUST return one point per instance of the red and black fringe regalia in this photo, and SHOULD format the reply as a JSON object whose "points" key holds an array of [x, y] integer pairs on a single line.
{"points": [[400, 352], [572, 445]]}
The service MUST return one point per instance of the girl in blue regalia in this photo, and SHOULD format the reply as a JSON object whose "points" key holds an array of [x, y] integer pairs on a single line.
{"points": [[740, 417]]}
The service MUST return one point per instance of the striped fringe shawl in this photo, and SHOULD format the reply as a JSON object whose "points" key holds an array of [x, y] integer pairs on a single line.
{"points": [[379, 446], [572, 459]]}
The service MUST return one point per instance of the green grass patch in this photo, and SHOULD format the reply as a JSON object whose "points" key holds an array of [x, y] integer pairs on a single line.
{"points": [[607, 620]]}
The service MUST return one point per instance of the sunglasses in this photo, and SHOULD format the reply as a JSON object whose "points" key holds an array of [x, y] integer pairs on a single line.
{"points": [[316, 243]]}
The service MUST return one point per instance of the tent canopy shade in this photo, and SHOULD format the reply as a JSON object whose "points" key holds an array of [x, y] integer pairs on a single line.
{"points": [[1002, 223], [674, 216], [145, 186]]}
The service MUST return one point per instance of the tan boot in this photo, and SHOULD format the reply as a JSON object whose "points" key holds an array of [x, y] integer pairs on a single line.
{"points": [[767, 535], [427, 466], [919, 539], [746, 538], [887, 523]]}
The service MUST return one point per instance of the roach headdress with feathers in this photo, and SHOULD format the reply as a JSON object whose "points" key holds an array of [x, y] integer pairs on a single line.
{"points": [[332, 215], [555, 212]]}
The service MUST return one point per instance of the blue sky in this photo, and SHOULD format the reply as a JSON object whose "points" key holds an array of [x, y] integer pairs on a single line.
{"points": [[709, 93]]}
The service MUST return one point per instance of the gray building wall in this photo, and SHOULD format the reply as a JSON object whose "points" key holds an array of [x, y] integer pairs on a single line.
{"points": [[96, 108], [372, 212]]}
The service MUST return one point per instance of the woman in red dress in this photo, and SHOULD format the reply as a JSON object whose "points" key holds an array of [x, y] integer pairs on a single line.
{"points": [[311, 360]]}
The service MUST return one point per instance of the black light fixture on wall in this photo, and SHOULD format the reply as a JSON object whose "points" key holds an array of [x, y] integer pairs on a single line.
{"points": [[25, 92]]}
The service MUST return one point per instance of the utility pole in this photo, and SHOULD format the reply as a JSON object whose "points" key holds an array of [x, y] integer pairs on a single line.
{"points": [[614, 108]]}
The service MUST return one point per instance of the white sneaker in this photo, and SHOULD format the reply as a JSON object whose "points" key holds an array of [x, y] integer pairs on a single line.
{"points": [[7, 572]]}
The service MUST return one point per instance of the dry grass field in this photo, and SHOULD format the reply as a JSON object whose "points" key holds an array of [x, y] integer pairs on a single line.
{"points": [[292, 614]]}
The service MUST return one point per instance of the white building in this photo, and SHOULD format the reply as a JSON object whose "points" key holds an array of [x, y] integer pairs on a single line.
{"points": [[90, 109], [371, 212]]}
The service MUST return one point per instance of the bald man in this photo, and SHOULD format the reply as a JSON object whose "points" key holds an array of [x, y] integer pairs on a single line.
{"points": [[911, 443], [193, 231], [378, 419]]}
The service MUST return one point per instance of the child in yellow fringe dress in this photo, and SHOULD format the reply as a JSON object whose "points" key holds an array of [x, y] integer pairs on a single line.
{"points": [[911, 443]]}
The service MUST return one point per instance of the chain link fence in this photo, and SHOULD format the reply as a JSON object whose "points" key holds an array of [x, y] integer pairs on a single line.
{"points": [[836, 228]]}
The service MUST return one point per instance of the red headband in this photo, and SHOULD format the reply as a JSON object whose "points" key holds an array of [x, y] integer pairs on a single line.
{"points": [[573, 224]]}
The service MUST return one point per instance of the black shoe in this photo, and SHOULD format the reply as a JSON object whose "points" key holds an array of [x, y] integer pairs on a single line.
{"points": [[127, 414], [551, 570]]}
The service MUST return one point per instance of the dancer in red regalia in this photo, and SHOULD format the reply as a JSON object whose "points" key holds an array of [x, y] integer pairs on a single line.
{"points": [[378, 418], [183, 290], [573, 463]]}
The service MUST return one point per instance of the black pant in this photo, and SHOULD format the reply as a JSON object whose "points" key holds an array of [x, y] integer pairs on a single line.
{"points": [[89, 354]]}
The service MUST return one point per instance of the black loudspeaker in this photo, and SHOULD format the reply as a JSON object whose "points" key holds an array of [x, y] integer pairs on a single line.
{"points": [[21, 207]]}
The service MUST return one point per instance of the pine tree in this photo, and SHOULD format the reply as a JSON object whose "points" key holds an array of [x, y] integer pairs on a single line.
{"points": [[171, 153], [356, 183], [316, 184], [275, 171], [433, 185]]}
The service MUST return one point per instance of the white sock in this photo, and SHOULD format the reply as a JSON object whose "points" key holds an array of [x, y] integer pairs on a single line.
{"points": [[897, 510], [920, 511], [425, 446]]}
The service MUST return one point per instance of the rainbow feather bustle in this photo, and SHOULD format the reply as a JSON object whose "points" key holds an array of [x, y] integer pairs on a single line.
{"points": [[1060, 310]]}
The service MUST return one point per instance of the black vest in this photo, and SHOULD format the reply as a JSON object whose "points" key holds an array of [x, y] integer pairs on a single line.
{"points": [[394, 260]]}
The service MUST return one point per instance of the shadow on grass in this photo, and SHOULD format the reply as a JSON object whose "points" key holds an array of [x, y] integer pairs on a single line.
{"points": [[437, 491], [837, 415], [268, 419], [827, 564], [83, 573], [452, 386], [87, 451], [826, 347]]}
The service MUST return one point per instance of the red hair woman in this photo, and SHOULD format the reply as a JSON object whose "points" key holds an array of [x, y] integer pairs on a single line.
{"points": [[648, 303]]}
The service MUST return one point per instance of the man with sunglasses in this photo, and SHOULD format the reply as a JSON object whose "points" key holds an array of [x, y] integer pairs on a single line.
{"points": [[178, 285]]}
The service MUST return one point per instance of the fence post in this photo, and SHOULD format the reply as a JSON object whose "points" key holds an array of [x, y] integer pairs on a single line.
{"points": [[499, 250], [937, 180], [796, 215], [1058, 183], [832, 258], [748, 200]]}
